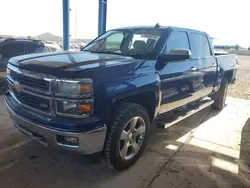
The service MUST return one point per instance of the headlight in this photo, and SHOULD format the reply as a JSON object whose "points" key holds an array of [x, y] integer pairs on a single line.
{"points": [[71, 97], [74, 87], [73, 108]]}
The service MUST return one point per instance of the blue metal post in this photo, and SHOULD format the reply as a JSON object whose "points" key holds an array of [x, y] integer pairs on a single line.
{"points": [[66, 34], [102, 16]]}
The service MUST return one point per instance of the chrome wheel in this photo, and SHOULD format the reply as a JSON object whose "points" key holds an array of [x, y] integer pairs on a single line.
{"points": [[132, 137]]}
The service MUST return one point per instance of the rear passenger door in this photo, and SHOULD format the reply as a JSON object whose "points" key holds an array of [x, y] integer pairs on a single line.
{"points": [[202, 54], [13, 49], [9, 50], [180, 80]]}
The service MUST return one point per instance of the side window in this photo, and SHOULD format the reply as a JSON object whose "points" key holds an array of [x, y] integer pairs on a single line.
{"points": [[13, 49], [177, 39], [51, 49], [200, 44], [40, 49], [113, 42], [31, 47]]}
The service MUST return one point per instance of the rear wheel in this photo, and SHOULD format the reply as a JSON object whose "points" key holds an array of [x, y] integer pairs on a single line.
{"points": [[127, 135], [220, 96]]}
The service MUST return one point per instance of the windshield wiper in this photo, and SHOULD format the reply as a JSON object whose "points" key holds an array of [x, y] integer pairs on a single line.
{"points": [[109, 52], [148, 55]]}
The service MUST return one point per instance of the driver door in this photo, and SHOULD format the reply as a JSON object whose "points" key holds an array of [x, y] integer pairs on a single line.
{"points": [[180, 80]]}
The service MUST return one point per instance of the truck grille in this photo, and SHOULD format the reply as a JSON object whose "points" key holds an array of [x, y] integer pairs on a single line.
{"points": [[30, 81], [33, 101], [28, 89]]}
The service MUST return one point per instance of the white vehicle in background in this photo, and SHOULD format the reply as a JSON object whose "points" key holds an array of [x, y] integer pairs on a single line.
{"points": [[51, 42], [218, 51], [219, 46], [53, 47], [75, 48]]}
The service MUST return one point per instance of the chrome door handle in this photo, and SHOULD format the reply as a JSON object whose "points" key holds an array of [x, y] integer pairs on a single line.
{"points": [[193, 69]]}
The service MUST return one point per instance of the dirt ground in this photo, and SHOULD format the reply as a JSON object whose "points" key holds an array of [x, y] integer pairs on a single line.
{"points": [[207, 150], [241, 89]]}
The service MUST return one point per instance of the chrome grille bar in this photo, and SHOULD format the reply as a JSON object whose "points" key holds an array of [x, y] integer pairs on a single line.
{"points": [[28, 93]]}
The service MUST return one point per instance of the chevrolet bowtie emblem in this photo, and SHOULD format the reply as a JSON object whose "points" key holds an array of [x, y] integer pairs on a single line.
{"points": [[17, 86]]}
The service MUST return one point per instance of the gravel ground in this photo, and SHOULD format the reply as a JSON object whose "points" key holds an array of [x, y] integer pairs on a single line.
{"points": [[241, 89]]}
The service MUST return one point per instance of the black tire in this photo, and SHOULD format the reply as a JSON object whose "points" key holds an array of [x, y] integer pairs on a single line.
{"points": [[220, 96], [124, 113]]}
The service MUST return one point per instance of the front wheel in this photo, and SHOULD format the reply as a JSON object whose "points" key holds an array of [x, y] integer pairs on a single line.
{"points": [[127, 135], [220, 96]]}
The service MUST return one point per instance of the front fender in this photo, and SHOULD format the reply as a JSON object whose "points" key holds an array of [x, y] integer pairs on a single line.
{"points": [[114, 91]]}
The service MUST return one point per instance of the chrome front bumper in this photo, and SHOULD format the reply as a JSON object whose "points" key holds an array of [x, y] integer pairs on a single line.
{"points": [[88, 142]]}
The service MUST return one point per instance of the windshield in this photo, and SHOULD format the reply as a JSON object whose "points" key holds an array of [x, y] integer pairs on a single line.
{"points": [[138, 42]]}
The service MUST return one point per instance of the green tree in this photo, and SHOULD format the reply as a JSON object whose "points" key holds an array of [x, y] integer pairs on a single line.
{"points": [[249, 48], [30, 37], [237, 47]]}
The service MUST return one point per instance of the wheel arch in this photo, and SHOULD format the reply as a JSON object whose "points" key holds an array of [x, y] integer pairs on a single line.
{"points": [[228, 75], [148, 99]]}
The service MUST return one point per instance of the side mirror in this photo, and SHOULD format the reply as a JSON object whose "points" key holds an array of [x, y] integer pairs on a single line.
{"points": [[175, 55]]}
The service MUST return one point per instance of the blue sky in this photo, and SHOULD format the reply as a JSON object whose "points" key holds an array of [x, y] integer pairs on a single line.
{"points": [[224, 19]]}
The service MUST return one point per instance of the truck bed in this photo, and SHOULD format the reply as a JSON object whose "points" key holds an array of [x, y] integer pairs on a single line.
{"points": [[226, 62]]}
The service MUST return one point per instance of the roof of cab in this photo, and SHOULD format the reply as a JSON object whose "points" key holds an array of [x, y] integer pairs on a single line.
{"points": [[144, 27], [19, 39], [162, 27]]}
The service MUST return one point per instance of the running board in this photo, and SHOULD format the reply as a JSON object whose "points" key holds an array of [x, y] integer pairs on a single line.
{"points": [[179, 116]]}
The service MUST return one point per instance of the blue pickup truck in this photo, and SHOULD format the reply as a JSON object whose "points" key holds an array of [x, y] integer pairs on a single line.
{"points": [[106, 98]]}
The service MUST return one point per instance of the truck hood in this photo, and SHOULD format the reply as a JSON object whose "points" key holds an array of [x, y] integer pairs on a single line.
{"points": [[70, 62]]}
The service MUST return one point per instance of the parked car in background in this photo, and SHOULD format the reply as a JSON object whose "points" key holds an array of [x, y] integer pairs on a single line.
{"points": [[219, 46], [74, 47], [14, 47], [52, 48], [106, 98], [218, 51]]}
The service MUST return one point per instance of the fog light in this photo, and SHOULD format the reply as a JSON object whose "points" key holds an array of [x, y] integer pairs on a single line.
{"points": [[71, 140], [67, 140]]}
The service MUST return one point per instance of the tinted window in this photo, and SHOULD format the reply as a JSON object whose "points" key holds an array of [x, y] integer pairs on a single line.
{"points": [[40, 49], [200, 45], [13, 49], [177, 40], [50, 49], [31, 47]]}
